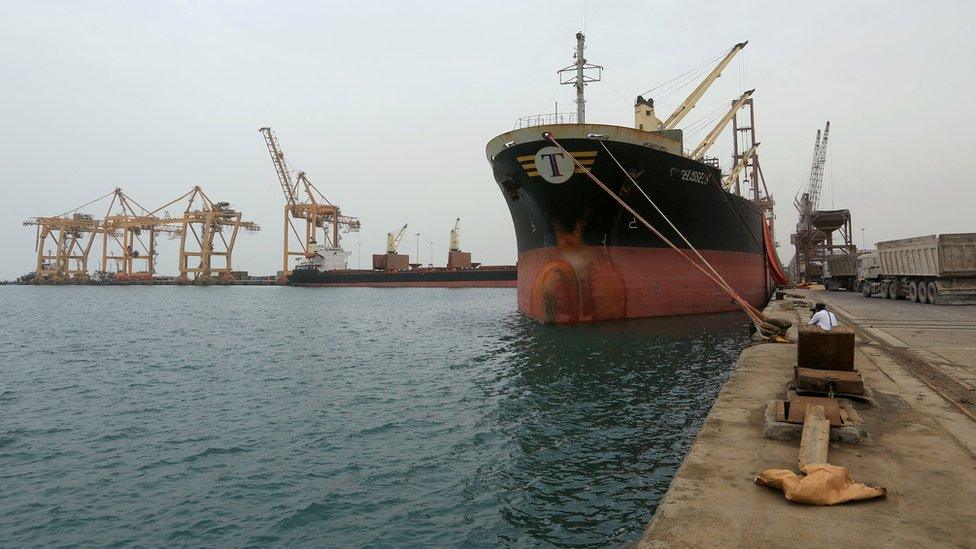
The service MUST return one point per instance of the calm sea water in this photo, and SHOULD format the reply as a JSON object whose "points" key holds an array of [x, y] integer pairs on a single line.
{"points": [[339, 417]]}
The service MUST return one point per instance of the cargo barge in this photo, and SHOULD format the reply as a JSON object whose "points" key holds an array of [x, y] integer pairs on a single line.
{"points": [[503, 276], [582, 257]]}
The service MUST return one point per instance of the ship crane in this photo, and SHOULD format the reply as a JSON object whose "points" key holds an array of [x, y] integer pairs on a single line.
{"points": [[739, 166], [690, 102], [456, 236], [393, 240], [304, 201], [709, 140]]}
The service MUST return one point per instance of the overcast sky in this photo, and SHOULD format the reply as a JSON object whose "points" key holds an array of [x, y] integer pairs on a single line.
{"points": [[388, 106]]}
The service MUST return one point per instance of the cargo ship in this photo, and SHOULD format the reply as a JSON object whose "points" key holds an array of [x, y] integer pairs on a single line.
{"points": [[327, 267], [583, 257]]}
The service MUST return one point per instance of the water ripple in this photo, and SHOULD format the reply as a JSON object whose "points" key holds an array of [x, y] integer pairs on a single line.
{"points": [[339, 417]]}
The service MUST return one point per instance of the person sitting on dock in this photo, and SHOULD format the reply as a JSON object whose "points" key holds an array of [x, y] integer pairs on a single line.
{"points": [[823, 318]]}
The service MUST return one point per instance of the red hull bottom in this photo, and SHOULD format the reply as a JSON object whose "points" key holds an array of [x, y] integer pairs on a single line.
{"points": [[590, 283], [430, 284]]}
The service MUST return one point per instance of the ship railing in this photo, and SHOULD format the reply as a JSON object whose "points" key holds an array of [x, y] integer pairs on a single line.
{"points": [[545, 119]]}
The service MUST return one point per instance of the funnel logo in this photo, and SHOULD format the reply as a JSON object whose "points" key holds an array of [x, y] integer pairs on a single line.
{"points": [[554, 165]]}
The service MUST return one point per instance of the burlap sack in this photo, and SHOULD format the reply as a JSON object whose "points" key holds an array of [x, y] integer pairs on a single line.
{"points": [[823, 484]]}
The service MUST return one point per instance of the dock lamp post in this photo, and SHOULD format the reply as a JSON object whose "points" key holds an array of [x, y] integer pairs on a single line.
{"points": [[431, 253], [418, 248]]}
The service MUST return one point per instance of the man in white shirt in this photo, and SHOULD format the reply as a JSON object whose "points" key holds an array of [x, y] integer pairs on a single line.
{"points": [[823, 318]]}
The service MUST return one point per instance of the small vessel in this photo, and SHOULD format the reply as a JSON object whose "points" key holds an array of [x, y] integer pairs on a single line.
{"points": [[582, 256]]}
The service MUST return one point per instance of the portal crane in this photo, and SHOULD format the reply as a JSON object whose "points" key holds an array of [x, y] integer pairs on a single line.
{"points": [[456, 236], [690, 102], [393, 240], [304, 201], [709, 140]]}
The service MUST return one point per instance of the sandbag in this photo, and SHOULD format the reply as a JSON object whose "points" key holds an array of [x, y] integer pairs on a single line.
{"points": [[822, 484]]}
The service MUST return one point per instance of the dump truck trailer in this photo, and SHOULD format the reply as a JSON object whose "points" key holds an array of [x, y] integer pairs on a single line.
{"points": [[840, 272], [939, 269]]}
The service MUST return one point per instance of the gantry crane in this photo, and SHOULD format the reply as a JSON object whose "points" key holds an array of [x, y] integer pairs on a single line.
{"points": [[133, 229], [304, 201], [129, 234], [73, 234], [205, 221]]}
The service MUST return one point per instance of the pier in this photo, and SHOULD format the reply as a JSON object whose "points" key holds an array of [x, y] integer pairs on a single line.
{"points": [[919, 363]]}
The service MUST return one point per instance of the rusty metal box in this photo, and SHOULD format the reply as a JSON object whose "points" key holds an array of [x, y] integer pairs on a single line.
{"points": [[822, 350]]}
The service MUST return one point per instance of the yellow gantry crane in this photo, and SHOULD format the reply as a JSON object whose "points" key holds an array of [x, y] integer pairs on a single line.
{"points": [[73, 234], [304, 201], [206, 221], [129, 234], [133, 229]]}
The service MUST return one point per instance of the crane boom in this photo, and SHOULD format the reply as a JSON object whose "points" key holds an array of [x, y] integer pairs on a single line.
{"points": [[278, 158], [743, 160], [456, 236], [817, 170], [709, 140], [700, 90], [393, 241]]}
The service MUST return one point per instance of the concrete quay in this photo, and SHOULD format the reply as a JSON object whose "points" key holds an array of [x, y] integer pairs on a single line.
{"points": [[919, 362]]}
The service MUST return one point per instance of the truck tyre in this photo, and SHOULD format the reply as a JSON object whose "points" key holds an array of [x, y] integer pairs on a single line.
{"points": [[922, 292], [893, 290], [933, 293], [884, 289], [912, 291]]}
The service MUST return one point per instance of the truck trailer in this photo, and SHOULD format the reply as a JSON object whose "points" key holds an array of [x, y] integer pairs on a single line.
{"points": [[939, 269], [840, 272]]}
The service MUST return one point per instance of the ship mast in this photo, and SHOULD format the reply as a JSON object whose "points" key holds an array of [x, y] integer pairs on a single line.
{"points": [[576, 74]]}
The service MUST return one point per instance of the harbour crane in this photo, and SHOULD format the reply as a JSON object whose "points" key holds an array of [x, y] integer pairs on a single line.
{"points": [[809, 201], [709, 140], [689, 103], [393, 240], [304, 201], [73, 234], [456, 236]]}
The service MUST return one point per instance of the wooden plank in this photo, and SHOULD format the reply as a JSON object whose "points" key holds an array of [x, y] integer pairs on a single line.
{"points": [[815, 440]]}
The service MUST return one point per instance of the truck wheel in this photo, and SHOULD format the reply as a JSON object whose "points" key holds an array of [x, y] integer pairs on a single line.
{"points": [[922, 292], [933, 293], [884, 290], [912, 291], [893, 290], [866, 289]]}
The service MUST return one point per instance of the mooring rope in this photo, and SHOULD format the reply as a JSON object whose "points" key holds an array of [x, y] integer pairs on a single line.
{"points": [[757, 317], [668, 220]]}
